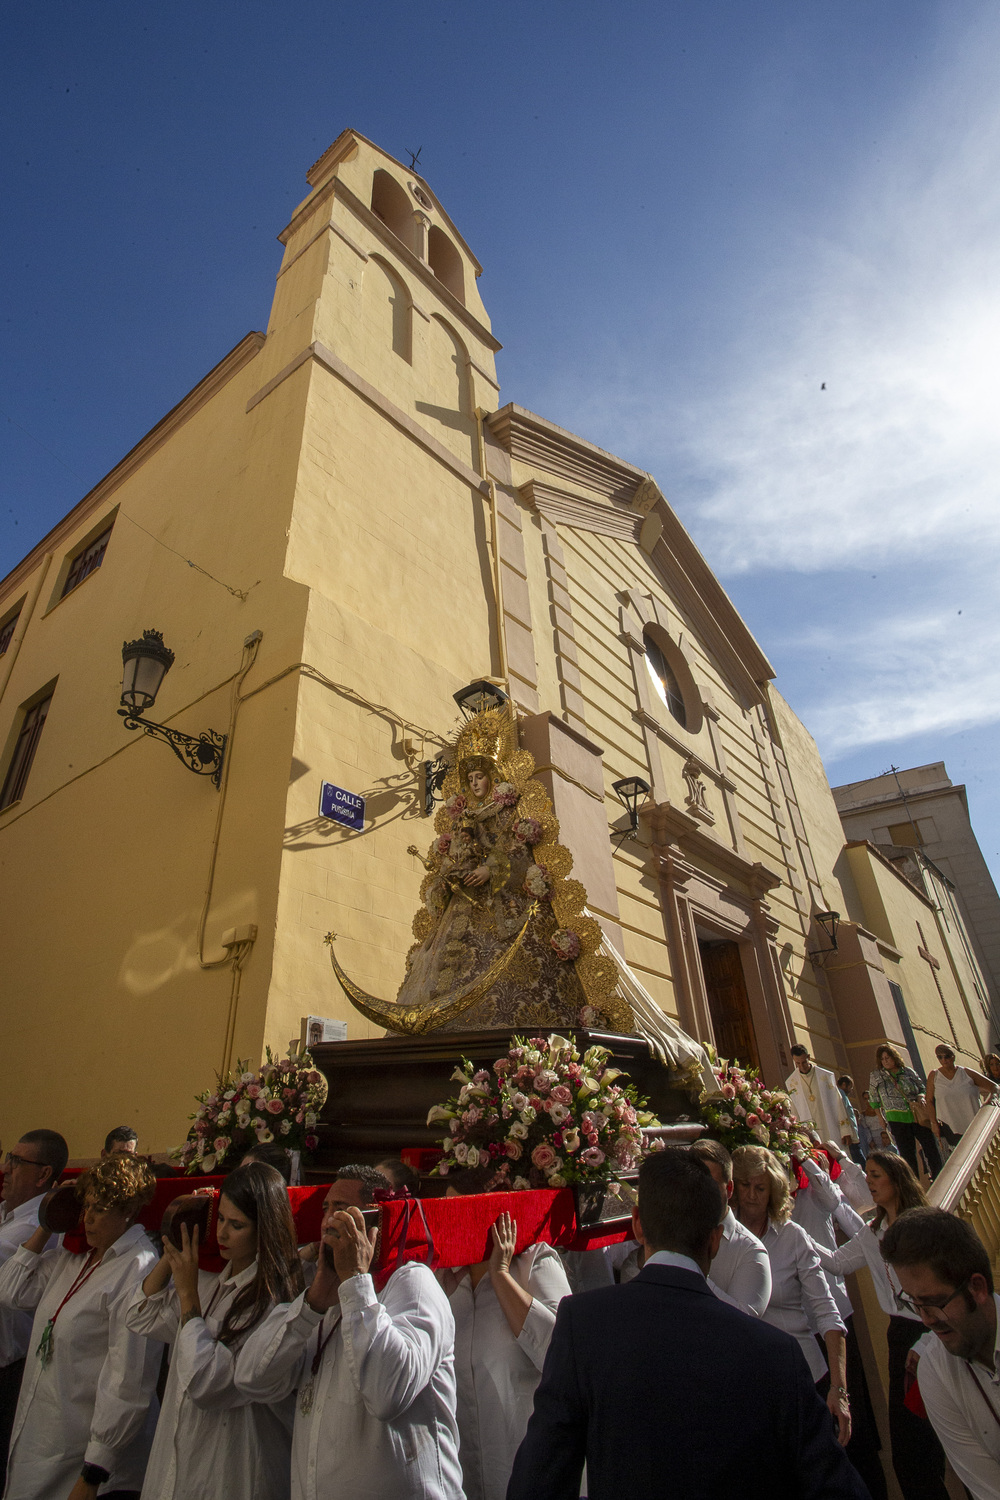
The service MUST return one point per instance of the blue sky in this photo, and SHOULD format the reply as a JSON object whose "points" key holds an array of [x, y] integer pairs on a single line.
{"points": [[691, 217]]}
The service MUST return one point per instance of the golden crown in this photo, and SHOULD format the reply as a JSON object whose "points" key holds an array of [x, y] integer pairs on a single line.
{"points": [[490, 735]]}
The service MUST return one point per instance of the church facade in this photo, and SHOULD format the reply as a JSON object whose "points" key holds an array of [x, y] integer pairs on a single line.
{"points": [[339, 528]]}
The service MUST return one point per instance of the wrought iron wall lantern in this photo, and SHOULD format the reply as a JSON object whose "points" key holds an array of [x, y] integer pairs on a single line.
{"points": [[434, 772], [829, 921], [145, 663], [479, 695], [629, 791]]}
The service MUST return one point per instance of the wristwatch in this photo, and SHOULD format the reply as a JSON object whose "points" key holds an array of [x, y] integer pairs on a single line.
{"points": [[94, 1474]]}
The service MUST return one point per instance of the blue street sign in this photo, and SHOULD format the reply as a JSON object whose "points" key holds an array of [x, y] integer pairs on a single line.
{"points": [[342, 806]]}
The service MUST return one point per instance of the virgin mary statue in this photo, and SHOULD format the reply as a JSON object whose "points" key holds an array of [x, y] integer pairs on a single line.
{"points": [[502, 937]]}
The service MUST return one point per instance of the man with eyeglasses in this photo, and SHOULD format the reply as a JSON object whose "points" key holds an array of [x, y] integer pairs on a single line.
{"points": [[945, 1274], [35, 1165]]}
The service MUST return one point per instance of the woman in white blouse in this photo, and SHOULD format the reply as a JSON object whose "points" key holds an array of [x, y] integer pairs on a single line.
{"points": [[800, 1302], [917, 1456], [505, 1311], [211, 1440], [87, 1406]]}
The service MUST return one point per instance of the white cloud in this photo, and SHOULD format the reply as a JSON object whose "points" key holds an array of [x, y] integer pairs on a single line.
{"points": [[918, 673], [900, 317]]}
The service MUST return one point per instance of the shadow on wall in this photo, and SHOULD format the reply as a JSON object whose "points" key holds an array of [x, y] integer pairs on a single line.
{"points": [[166, 953], [380, 801]]}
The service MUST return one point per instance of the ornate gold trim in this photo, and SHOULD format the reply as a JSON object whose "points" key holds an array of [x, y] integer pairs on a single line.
{"points": [[418, 1020]]}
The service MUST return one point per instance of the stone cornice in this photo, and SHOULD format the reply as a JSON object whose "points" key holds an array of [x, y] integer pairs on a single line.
{"points": [[532, 440], [672, 828], [562, 508], [217, 377]]}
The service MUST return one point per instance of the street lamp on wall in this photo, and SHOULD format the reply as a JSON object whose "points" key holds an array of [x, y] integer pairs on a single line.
{"points": [[145, 663], [629, 791], [829, 921], [479, 695]]}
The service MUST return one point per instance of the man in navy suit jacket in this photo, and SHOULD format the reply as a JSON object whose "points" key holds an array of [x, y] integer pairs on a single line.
{"points": [[667, 1392]]}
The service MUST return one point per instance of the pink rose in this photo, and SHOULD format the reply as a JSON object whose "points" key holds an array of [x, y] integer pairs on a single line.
{"points": [[728, 1091], [513, 1149], [752, 1120], [253, 1091], [220, 1143], [274, 1107], [543, 1156], [561, 1094]]}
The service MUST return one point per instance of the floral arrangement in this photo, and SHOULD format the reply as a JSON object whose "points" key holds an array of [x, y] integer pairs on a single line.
{"points": [[504, 794], [745, 1113], [528, 831], [537, 883], [543, 1117], [281, 1102], [565, 944]]}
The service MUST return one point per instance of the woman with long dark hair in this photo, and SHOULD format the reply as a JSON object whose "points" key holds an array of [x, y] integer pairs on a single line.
{"points": [[917, 1456], [211, 1440]]}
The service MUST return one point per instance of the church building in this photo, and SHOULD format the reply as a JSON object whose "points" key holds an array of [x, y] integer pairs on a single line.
{"points": [[338, 529]]}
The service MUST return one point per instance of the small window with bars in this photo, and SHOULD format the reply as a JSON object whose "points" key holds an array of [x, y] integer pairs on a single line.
{"points": [[24, 753], [87, 561], [7, 630]]}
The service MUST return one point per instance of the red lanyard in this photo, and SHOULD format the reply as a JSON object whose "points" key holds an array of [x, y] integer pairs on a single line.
{"points": [[44, 1350], [85, 1275]]}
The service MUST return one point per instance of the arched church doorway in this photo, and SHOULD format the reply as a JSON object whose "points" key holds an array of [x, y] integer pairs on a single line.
{"points": [[728, 1001]]}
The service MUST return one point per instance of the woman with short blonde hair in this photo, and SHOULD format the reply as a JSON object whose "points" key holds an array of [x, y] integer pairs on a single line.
{"points": [[87, 1407], [800, 1297]]}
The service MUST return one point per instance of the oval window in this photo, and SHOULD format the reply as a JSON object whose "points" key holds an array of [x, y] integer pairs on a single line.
{"points": [[664, 680]]}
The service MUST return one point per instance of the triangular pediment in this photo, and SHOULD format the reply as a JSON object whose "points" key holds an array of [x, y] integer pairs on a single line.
{"points": [[623, 501]]}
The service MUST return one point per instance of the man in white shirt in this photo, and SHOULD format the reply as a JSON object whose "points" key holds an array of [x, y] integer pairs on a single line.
{"points": [[741, 1269], [944, 1271], [816, 1098], [374, 1375], [29, 1171]]}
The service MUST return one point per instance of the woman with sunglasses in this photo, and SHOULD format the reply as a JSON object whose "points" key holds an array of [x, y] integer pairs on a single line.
{"points": [[917, 1456], [212, 1440], [955, 1095], [87, 1407]]}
